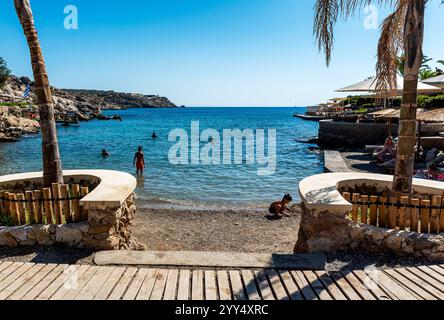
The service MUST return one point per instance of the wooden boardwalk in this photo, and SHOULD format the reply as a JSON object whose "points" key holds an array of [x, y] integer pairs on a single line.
{"points": [[30, 281]]}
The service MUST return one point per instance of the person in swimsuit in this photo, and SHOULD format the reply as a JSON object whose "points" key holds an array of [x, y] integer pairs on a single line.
{"points": [[154, 135], [139, 161], [279, 208]]}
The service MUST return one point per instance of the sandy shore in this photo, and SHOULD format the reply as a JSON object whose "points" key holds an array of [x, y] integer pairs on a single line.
{"points": [[243, 231]]}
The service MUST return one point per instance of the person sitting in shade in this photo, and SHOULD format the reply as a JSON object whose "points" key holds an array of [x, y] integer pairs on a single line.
{"points": [[279, 208]]}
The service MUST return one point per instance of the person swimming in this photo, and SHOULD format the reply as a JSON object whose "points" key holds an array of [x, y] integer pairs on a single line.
{"points": [[139, 161], [105, 153], [154, 135], [279, 208]]}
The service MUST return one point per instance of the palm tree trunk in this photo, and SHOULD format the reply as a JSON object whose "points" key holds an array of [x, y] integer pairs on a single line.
{"points": [[413, 40], [52, 167]]}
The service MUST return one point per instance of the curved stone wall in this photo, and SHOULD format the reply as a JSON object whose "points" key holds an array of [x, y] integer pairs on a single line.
{"points": [[110, 207], [325, 226]]}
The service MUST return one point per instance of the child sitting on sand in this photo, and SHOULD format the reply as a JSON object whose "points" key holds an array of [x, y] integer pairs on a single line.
{"points": [[279, 208]]}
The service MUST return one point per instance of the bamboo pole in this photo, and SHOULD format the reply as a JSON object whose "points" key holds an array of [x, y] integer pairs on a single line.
{"points": [[364, 209], [424, 216], [441, 219], [66, 203], [58, 211], [21, 208], [373, 210], [14, 208], [75, 189], [414, 215], [2, 204], [383, 216], [356, 198], [84, 215], [30, 206], [48, 205], [403, 213], [393, 212], [38, 206], [436, 211]]}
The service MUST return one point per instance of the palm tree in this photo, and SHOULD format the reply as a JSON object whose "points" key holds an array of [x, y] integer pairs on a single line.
{"points": [[402, 30], [427, 73], [52, 167]]}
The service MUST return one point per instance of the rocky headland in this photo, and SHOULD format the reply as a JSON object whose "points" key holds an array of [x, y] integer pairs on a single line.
{"points": [[19, 116]]}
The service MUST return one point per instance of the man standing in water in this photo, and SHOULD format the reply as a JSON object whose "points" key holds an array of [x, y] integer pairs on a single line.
{"points": [[139, 161]]}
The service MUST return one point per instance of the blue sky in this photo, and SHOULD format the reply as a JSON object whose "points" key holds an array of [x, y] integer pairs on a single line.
{"points": [[201, 52]]}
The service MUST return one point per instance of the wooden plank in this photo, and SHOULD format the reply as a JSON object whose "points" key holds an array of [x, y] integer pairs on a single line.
{"points": [[108, 286], [372, 286], [10, 269], [4, 265], [404, 213], [383, 213], [356, 285], [432, 273], [38, 206], [393, 213], [425, 216], [20, 280], [317, 286], [264, 287], [34, 281], [277, 286], [57, 204], [71, 288], [437, 269], [6, 281], [75, 193], [236, 285], [83, 213], [422, 284], [93, 286], [171, 285], [302, 283], [66, 204], [290, 286], [136, 284], [356, 198], [224, 286], [121, 286], [411, 286], [30, 206], [210, 285], [364, 209], [344, 286], [348, 197], [148, 284], [373, 220], [8, 206], [49, 281], [391, 286], [47, 203], [250, 285], [159, 286], [21, 208], [438, 285], [183, 291], [334, 291], [414, 215], [197, 285], [435, 214]]}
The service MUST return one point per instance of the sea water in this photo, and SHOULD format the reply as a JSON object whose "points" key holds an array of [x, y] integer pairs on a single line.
{"points": [[194, 185]]}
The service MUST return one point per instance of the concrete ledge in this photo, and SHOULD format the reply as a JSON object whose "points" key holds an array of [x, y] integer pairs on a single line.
{"points": [[320, 192], [211, 259], [333, 162], [113, 189]]}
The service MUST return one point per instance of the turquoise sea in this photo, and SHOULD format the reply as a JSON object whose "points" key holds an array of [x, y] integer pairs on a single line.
{"points": [[187, 185]]}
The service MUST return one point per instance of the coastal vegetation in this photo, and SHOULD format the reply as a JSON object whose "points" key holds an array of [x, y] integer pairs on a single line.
{"points": [[4, 72], [52, 165], [402, 31]]}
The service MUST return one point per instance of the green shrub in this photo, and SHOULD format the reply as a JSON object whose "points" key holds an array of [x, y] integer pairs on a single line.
{"points": [[6, 221], [434, 102]]}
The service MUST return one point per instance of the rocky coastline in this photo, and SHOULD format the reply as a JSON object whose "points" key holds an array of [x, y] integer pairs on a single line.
{"points": [[19, 116]]}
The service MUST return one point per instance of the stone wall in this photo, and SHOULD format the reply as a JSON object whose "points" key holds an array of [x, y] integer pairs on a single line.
{"points": [[330, 232], [106, 229]]}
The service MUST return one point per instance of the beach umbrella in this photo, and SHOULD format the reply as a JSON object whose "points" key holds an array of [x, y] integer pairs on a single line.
{"points": [[437, 81], [369, 85]]}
